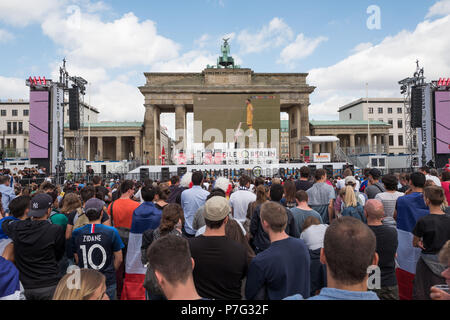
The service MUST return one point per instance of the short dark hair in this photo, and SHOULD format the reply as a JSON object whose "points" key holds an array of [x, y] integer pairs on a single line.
{"points": [[425, 168], [417, 179], [148, 193], [249, 100], [305, 172], [275, 215], [18, 205], [243, 180], [349, 247], [93, 214], [259, 181], [276, 192], [390, 182], [320, 173], [435, 194], [174, 179], [197, 178], [301, 196], [87, 193], [126, 185], [148, 182], [214, 224], [170, 255], [96, 180], [53, 194]]}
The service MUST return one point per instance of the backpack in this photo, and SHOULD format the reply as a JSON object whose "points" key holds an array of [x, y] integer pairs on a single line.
{"points": [[124, 233], [80, 219], [355, 212]]}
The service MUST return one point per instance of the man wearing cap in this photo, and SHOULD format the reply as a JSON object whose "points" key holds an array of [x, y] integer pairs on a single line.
{"points": [[38, 246], [99, 247], [220, 263], [375, 187]]}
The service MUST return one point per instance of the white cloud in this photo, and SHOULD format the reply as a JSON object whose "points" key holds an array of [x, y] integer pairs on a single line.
{"points": [[275, 34], [382, 66], [5, 36], [361, 47], [202, 41], [440, 8], [192, 61], [13, 88], [24, 12], [301, 48]]}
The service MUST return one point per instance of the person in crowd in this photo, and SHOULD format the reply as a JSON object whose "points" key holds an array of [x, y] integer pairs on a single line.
{"points": [[446, 184], [404, 182], [321, 196], [313, 234], [444, 258], [289, 195], [240, 199], [303, 183], [348, 252], [426, 171], [101, 189], [92, 286], [161, 195], [261, 240], [38, 246], [389, 198], [56, 217], [303, 211], [19, 208], [171, 260], [10, 286], [350, 206], [191, 200], [172, 220], [387, 244], [342, 182], [70, 203], [215, 254], [7, 192], [99, 247], [365, 182], [361, 198], [282, 269], [185, 183], [430, 234], [409, 209], [375, 186], [175, 189], [262, 195]]}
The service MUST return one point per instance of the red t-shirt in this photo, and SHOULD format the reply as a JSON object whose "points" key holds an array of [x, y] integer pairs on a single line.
{"points": [[446, 186], [123, 212]]}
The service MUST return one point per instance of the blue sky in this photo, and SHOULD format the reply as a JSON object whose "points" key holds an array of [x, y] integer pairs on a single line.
{"points": [[111, 44]]}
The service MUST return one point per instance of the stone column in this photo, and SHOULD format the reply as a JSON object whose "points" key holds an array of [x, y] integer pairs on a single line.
{"points": [[333, 149], [180, 127], [100, 148], [294, 131], [304, 131], [137, 148], [119, 156], [386, 143], [152, 147], [157, 135], [352, 141]]}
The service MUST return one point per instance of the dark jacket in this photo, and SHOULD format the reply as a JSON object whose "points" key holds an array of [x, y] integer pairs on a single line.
{"points": [[318, 272], [260, 239], [175, 191], [38, 246]]}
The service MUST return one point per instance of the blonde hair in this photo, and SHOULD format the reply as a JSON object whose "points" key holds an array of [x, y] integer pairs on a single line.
{"points": [[349, 197], [90, 280], [70, 202]]}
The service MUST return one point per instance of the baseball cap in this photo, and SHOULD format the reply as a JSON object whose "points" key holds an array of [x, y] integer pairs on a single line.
{"points": [[94, 203], [216, 208], [350, 179], [375, 173], [39, 205]]}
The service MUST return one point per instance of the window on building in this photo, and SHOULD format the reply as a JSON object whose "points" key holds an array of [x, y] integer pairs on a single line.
{"points": [[9, 127], [389, 110], [415, 141], [292, 118], [26, 112], [370, 110], [391, 141], [400, 124], [380, 110], [400, 140], [8, 143], [399, 110], [14, 127], [14, 144], [3, 113], [391, 122], [20, 128], [15, 113], [350, 116]]}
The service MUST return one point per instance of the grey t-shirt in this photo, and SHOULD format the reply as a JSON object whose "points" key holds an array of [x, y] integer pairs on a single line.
{"points": [[374, 189], [389, 201], [300, 216], [320, 194]]}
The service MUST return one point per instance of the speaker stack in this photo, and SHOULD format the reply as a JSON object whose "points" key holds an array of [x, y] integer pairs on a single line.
{"points": [[416, 107], [74, 109]]}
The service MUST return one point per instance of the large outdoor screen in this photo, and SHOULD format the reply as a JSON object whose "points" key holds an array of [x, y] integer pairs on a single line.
{"points": [[39, 125], [227, 118], [442, 112]]}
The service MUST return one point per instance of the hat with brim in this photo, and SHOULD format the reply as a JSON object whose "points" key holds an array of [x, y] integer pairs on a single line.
{"points": [[216, 209], [39, 205]]}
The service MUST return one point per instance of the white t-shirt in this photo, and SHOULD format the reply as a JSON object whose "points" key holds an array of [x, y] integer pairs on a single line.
{"points": [[314, 235], [239, 201], [341, 184], [434, 179], [3, 244], [202, 230]]}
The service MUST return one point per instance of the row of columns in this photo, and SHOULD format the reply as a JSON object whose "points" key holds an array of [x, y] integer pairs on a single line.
{"points": [[298, 128], [375, 141]]}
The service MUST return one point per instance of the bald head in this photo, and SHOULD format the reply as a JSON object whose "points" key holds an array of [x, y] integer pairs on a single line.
{"points": [[374, 209]]}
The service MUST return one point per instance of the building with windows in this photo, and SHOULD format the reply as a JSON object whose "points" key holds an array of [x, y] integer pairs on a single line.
{"points": [[387, 110], [284, 140], [14, 121]]}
